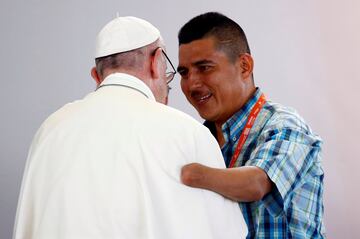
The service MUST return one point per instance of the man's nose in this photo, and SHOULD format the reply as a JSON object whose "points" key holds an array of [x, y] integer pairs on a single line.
{"points": [[194, 81]]}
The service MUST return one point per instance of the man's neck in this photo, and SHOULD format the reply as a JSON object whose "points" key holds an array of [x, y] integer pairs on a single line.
{"points": [[219, 135], [218, 124]]}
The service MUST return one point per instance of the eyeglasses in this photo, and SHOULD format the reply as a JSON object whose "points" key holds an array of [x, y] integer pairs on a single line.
{"points": [[169, 74]]}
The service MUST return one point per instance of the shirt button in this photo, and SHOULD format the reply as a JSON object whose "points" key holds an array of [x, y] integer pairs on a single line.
{"points": [[234, 139]]}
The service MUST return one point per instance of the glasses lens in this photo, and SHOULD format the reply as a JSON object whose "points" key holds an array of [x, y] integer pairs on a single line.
{"points": [[169, 77], [170, 70]]}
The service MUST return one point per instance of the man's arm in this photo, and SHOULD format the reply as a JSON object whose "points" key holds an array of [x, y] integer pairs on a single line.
{"points": [[245, 184]]}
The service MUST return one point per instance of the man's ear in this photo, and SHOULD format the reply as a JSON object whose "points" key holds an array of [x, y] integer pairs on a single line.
{"points": [[156, 64], [246, 64], [95, 76]]}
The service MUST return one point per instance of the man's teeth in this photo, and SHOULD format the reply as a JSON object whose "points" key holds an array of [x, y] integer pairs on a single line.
{"points": [[205, 97]]}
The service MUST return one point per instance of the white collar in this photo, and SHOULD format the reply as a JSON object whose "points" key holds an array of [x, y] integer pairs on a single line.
{"points": [[126, 80]]}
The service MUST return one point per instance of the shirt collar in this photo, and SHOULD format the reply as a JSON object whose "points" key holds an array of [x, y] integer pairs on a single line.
{"points": [[240, 117], [126, 80]]}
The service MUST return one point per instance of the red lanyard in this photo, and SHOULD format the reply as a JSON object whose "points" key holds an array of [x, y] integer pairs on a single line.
{"points": [[249, 124]]}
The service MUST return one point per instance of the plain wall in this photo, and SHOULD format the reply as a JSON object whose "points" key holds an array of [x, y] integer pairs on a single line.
{"points": [[306, 53]]}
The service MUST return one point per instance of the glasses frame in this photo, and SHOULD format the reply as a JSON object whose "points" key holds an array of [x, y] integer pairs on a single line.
{"points": [[169, 74]]}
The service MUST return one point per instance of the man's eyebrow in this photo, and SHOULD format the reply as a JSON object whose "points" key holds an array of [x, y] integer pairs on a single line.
{"points": [[202, 62], [197, 63]]}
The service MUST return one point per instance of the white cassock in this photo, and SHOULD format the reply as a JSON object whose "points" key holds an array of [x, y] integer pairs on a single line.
{"points": [[108, 166]]}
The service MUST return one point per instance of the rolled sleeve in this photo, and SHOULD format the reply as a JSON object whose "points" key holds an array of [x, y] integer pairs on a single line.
{"points": [[285, 156]]}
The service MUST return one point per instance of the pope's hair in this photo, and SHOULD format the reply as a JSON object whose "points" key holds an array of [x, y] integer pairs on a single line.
{"points": [[133, 60]]}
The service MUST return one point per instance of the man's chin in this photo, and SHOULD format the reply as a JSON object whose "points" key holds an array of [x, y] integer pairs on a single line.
{"points": [[209, 116], [205, 112]]}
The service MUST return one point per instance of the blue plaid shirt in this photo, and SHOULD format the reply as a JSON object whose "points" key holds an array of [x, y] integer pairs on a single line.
{"points": [[283, 146]]}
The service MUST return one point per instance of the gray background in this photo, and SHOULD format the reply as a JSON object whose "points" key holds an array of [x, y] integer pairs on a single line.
{"points": [[307, 56]]}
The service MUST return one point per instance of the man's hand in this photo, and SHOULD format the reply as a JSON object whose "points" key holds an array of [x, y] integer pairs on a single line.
{"points": [[194, 174]]}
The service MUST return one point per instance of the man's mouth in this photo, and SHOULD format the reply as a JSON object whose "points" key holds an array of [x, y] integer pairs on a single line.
{"points": [[201, 98]]}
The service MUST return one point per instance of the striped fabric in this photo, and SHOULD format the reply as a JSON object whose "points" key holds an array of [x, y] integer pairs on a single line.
{"points": [[283, 146]]}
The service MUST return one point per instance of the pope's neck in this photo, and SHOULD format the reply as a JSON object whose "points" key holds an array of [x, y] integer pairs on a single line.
{"points": [[138, 74]]}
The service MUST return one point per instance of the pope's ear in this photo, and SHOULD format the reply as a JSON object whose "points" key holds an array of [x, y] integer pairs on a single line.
{"points": [[95, 76], [246, 64], [156, 62]]}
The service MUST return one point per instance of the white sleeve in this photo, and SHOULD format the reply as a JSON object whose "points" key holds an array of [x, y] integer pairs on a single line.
{"points": [[224, 215], [207, 149]]}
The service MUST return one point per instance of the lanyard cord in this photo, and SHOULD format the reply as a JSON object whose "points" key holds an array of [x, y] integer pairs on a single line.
{"points": [[246, 131]]}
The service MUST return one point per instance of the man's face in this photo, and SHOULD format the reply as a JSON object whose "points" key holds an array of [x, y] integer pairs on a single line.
{"points": [[210, 82]]}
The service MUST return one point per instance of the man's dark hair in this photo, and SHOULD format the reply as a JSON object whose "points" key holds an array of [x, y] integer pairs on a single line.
{"points": [[229, 36]]}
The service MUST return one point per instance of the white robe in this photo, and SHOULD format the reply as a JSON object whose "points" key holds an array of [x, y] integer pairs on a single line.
{"points": [[108, 166]]}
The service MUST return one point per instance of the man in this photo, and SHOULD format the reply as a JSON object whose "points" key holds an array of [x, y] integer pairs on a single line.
{"points": [[273, 158], [108, 166]]}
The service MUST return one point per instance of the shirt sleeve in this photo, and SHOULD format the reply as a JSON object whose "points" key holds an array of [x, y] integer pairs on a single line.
{"points": [[286, 155], [224, 215], [207, 149]]}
